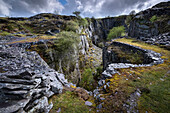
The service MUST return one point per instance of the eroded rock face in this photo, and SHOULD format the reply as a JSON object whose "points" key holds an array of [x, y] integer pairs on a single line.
{"points": [[101, 27], [144, 28], [26, 81]]}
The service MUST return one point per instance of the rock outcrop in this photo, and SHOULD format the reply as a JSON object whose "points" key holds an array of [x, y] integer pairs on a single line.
{"points": [[26, 81], [162, 39], [101, 27], [151, 22], [149, 57]]}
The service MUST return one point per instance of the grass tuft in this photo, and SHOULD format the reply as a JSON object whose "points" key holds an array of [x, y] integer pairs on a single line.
{"points": [[69, 103]]}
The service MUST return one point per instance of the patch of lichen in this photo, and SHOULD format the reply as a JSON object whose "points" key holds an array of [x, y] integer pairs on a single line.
{"points": [[89, 72], [2, 70], [116, 94]]}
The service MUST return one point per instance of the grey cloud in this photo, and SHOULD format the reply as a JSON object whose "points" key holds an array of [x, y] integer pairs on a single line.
{"points": [[89, 8], [102, 8], [140, 6], [4, 8], [30, 7]]}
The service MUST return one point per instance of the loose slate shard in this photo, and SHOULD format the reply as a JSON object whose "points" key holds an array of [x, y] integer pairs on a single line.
{"points": [[28, 81]]}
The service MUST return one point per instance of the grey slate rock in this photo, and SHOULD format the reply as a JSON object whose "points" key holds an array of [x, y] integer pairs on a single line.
{"points": [[26, 82], [88, 103]]}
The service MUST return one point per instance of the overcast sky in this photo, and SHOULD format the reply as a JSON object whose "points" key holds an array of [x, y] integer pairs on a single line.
{"points": [[88, 8]]}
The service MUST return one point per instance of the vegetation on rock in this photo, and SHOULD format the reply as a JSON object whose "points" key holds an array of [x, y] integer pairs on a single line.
{"points": [[77, 13], [153, 18], [116, 32], [72, 26], [130, 17], [87, 80], [64, 47], [83, 22]]}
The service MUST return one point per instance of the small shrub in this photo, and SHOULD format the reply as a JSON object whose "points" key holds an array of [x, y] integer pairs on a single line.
{"points": [[72, 26], [77, 13], [99, 70], [153, 18], [116, 31], [66, 41], [87, 79], [83, 22], [64, 47]]}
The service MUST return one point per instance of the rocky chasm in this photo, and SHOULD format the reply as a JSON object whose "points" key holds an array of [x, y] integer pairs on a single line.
{"points": [[46, 56]]}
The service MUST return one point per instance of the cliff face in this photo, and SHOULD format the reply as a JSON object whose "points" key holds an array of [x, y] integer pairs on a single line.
{"points": [[101, 27], [151, 22], [145, 25]]}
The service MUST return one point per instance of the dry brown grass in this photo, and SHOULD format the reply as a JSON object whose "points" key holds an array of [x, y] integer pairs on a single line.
{"points": [[34, 39]]}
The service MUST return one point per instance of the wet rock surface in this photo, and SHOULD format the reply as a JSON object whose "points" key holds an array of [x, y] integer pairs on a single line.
{"points": [[26, 81]]}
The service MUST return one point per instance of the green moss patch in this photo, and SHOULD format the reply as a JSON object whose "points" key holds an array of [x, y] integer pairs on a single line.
{"points": [[69, 103]]}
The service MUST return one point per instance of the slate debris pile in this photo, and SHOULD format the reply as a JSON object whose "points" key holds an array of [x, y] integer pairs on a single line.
{"points": [[26, 81]]}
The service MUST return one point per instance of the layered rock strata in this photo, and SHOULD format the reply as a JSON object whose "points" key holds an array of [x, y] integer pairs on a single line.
{"points": [[26, 81]]}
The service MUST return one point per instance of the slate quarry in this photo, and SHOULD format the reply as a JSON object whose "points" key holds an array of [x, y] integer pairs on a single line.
{"points": [[26, 81]]}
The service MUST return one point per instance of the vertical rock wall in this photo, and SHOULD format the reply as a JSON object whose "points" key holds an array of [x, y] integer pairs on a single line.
{"points": [[101, 27], [151, 22]]}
